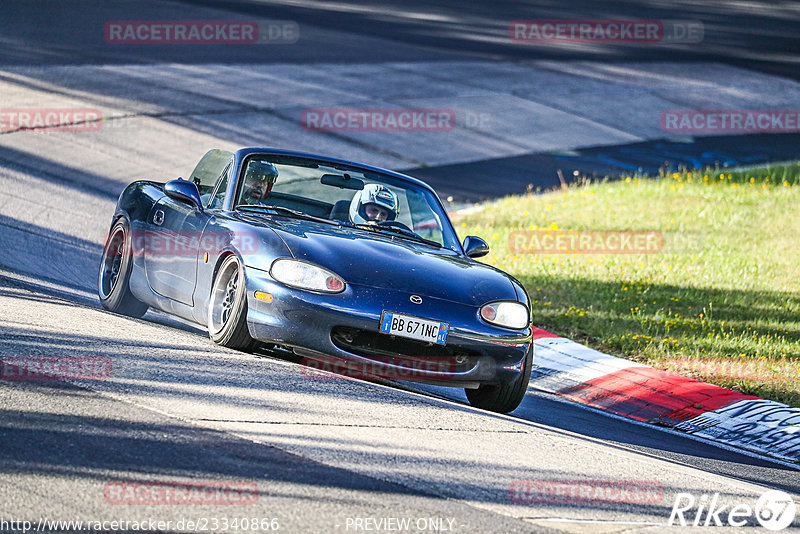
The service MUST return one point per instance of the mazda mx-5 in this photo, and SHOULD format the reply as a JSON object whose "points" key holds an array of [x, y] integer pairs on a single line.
{"points": [[327, 259]]}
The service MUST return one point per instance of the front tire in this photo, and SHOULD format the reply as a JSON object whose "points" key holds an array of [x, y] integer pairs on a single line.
{"points": [[505, 398], [115, 273], [227, 307]]}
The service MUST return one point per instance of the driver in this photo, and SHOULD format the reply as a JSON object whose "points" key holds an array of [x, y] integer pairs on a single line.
{"points": [[373, 204], [259, 178]]}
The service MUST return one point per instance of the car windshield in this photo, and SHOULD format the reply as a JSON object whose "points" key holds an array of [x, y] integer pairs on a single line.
{"points": [[349, 195]]}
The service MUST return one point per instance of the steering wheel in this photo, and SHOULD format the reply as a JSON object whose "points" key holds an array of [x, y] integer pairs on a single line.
{"points": [[396, 224]]}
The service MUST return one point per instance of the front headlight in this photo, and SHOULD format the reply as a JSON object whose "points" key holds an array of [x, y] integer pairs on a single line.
{"points": [[305, 275], [506, 314]]}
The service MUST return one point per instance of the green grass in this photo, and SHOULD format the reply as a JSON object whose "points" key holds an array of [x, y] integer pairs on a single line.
{"points": [[720, 302]]}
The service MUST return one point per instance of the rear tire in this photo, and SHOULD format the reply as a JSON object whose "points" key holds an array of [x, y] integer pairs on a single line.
{"points": [[227, 307], [115, 273], [505, 398]]}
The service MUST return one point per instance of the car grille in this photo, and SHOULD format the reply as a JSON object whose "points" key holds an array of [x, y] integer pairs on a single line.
{"points": [[402, 352]]}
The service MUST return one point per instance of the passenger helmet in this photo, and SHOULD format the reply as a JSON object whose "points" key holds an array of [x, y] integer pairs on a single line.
{"points": [[373, 194]]}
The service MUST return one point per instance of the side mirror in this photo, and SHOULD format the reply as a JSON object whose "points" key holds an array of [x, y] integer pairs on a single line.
{"points": [[475, 247], [184, 191]]}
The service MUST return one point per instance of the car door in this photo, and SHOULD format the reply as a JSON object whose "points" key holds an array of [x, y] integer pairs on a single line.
{"points": [[172, 248], [176, 231]]}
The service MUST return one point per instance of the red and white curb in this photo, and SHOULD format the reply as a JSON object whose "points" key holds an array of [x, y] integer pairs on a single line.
{"points": [[650, 395]]}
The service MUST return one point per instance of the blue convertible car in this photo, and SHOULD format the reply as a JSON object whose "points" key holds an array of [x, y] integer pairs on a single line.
{"points": [[329, 259]]}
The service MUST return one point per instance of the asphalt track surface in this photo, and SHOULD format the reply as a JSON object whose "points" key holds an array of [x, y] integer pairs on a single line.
{"points": [[321, 450], [752, 39]]}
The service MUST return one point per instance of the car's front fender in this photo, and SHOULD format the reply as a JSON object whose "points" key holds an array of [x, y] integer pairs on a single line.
{"points": [[255, 247]]}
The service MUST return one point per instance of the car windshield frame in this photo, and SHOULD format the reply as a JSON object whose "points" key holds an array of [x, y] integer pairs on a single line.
{"points": [[449, 237]]}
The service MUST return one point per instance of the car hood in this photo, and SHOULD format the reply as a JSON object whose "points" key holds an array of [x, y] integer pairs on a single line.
{"points": [[383, 261]]}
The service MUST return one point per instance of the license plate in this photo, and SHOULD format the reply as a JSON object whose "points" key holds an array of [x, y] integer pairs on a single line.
{"points": [[412, 327]]}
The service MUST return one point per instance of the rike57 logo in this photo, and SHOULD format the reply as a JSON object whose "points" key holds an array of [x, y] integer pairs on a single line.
{"points": [[774, 510]]}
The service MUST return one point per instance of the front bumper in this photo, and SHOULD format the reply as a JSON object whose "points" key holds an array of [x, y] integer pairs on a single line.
{"points": [[312, 325]]}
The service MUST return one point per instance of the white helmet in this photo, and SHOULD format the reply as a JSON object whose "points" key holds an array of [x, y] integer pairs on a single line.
{"points": [[377, 194]]}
